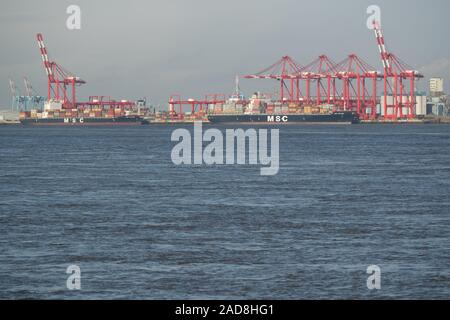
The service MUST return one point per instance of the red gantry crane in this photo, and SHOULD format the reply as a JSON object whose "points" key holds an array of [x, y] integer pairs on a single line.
{"points": [[62, 88], [285, 70], [350, 85], [61, 83], [316, 71], [357, 99], [398, 100], [198, 108]]}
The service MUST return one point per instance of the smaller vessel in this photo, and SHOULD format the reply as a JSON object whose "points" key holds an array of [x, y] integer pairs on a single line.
{"points": [[94, 115], [82, 121]]}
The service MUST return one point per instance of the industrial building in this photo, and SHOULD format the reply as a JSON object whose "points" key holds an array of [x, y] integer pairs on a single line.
{"points": [[438, 103]]}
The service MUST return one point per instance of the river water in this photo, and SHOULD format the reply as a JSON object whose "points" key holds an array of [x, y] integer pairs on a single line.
{"points": [[111, 201]]}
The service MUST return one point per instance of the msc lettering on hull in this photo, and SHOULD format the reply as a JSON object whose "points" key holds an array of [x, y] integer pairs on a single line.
{"points": [[277, 118], [73, 120]]}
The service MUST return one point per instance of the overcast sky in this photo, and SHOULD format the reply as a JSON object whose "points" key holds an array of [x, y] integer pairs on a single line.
{"points": [[136, 48]]}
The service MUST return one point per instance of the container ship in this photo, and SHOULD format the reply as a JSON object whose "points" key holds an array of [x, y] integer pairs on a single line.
{"points": [[261, 110], [93, 115], [345, 117], [84, 121]]}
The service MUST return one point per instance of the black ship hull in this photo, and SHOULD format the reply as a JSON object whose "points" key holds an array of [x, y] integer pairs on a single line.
{"points": [[80, 121], [344, 117]]}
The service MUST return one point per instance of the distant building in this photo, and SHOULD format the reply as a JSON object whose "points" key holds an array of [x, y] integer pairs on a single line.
{"points": [[436, 109], [438, 102], [436, 87], [9, 115], [438, 106]]}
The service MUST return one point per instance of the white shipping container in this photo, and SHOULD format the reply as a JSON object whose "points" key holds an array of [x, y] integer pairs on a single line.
{"points": [[420, 107], [52, 105]]}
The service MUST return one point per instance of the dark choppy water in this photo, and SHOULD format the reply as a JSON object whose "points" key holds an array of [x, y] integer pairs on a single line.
{"points": [[111, 201]]}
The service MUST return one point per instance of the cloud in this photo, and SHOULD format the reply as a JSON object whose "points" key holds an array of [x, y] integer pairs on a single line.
{"points": [[154, 48]]}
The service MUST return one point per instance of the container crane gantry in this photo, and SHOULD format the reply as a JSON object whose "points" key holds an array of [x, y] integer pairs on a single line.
{"points": [[395, 72], [61, 83]]}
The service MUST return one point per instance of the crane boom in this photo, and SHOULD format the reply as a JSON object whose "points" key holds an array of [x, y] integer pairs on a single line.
{"points": [[44, 54], [28, 87], [382, 47], [12, 87], [61, 83]]}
